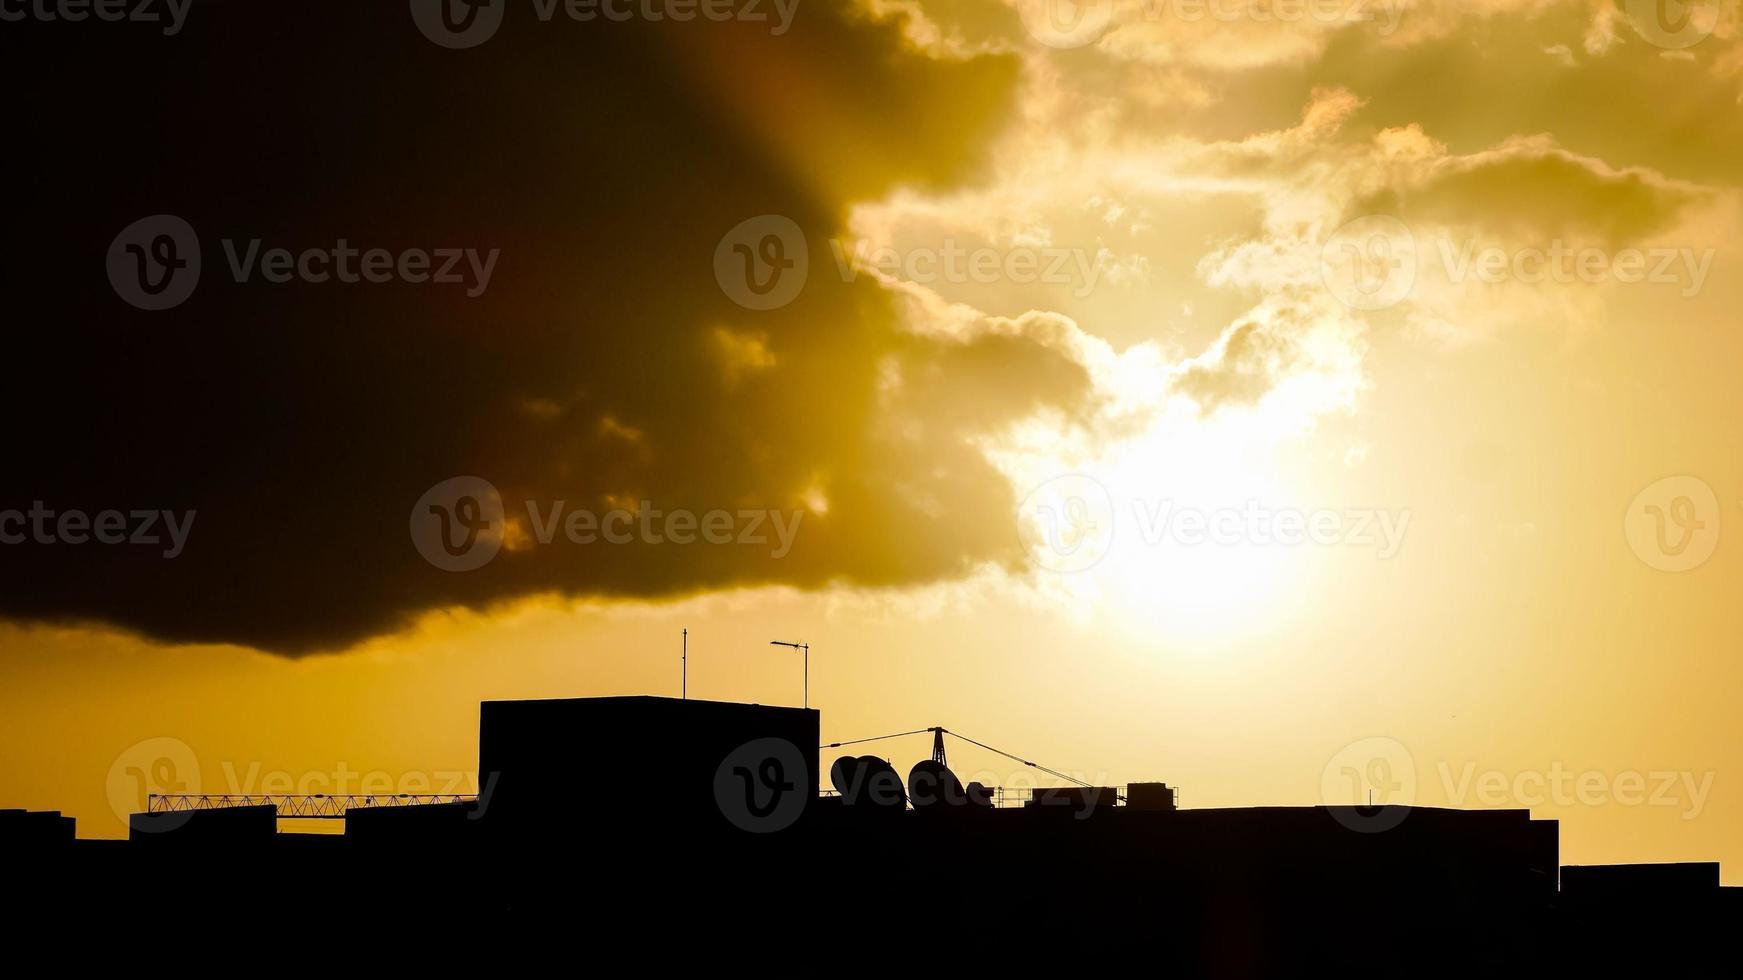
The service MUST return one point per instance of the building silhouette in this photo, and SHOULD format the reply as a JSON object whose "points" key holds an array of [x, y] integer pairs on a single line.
{"points": [[683, 833]]}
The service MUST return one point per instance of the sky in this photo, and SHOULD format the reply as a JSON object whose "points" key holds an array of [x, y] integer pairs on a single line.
{"points": [[1284, 401]]}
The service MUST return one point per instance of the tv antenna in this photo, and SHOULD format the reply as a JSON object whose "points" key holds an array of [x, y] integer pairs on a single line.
{"points": [[806, 649]]}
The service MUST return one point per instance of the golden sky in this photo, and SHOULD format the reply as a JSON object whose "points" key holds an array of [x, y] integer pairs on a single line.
{"points": [[1453, 280]]}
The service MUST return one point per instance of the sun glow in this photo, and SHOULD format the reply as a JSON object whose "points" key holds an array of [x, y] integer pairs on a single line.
{"points": [[1168, 532], [1185, 558]]}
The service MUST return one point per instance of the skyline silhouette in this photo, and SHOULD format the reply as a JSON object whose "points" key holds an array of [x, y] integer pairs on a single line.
{"points": [[1214, 479], [734, 810]]}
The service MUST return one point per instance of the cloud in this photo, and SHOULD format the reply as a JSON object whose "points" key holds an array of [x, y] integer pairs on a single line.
{"points": [[741, 353], [1529, 188], [603, 364], [1302, 348]]}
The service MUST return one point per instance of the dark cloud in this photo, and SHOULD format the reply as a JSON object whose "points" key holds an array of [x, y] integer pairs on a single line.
{"points": [[302, 421]]}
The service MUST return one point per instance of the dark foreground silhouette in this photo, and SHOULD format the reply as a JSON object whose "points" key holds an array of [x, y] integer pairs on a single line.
{"points": [[702, 842]]}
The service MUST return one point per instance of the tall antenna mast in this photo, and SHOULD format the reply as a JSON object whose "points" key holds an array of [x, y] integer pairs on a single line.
{"points": [[684, 669], [806, 649]]}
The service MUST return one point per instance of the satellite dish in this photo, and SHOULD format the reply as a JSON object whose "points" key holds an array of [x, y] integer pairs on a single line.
{"points": [[880, 784], [845, 775], [932, 786], [867, 781]]}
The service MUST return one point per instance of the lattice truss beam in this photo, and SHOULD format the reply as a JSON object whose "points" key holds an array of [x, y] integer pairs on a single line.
{"points": [[318, 806]]}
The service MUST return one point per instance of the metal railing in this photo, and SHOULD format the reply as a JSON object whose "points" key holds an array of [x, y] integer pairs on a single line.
{"points": [[1003, 797]]}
